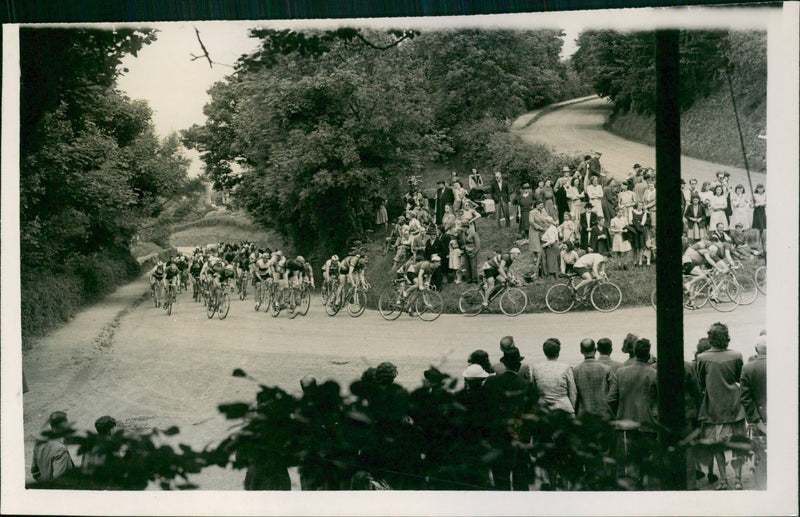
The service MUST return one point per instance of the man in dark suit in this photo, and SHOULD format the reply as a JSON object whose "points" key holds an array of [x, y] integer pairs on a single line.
{"points": [[444, 196], [501, 195], [586, 221]]}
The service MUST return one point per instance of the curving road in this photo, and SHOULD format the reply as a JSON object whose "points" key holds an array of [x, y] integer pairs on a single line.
{"points": [[578, 128], [126, 358]]}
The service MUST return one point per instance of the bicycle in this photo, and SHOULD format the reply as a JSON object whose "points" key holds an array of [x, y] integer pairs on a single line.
{"points": [[718, 289], [170, 299], [157, 293], [219, 302], [261, 295], [329, 287], [427, 304], [760, 276], [184, 282], [354, 297], [746, 282], [197, 290], [286, 300], [475, 300], [241, 285], [602, 294]]}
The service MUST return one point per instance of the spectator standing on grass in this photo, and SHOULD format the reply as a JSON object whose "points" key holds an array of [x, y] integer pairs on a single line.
{"points": [[538, 226], [568, 257], [475, 182], [718, 205], [610, 200], [554, 380], [566, 230], [551, 247], [754, 400], [51, 458], [620, 246], [741, 211], [593, 380], [562, 199], [575, 196], [760, 215], [600, 238], [444, 196], [549, 200], [459, 195], [382, 218], [695, 216], [626, 199], [500, 195], [594, 191], [721, 414], [472, 246], [604, 349], [524, 203], [586, 221]]}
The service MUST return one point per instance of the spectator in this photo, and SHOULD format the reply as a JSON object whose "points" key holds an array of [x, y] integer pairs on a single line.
{"points": [[501, 195], [382, 218], [51, 458], [444, 196], [455, 259], [459, 194], [481, 358], [741, 211], [754, 400], [472, 246], [554, 380], [625, 201], [475, 183], [609, 201], [551, 248], [593, 380], [507, 344], [524, 203], [96, 456], [600, 238], [587, 221], [568, 257], [470, 215], [604, 348], [566, 230], [721, 413], [549, 200], [620, 246], [633, 397], [760, 215], [575, 196], [628, 348], [595, 193], [474, 376], [510, 397], [718, 205], [538, 226], [695, 216], [448, 218]]}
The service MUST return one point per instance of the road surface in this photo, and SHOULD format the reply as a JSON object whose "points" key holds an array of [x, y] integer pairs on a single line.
{"points": [[578, 128]]}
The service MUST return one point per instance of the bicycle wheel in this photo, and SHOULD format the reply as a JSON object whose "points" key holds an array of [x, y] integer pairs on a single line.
{"points": [[211, 307], [760, 276], [606, 297], [513, 302], [387, 306], [324, 293], [429, 305], [357, 303], [224, 306], [701, 294], [259, 294], [653, 300], [559, 298], [470, 303], [332, 308], [275, 305], [292, 311], [747, 287], [724, 295], [305, 301]]}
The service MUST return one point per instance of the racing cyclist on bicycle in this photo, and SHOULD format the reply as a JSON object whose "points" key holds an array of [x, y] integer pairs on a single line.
{"points": [[261, 271], [298, 271], [351, 269], [499, 267], [695, 257], [589, 267], [418, 274], [172, 275], [329, 271]]}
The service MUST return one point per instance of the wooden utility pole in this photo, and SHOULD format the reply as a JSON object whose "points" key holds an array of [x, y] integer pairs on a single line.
{"points": [[668, 240]]}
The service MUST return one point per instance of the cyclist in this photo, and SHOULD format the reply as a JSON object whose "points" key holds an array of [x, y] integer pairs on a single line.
{"points": [[695, 257], [261, 270], [351, 269], [182, 261], [277, 264], [172, 275], [418, 274], [196, 268], [329, 270], [298, 271], [157, 275], [499, 267], [591, 266]]}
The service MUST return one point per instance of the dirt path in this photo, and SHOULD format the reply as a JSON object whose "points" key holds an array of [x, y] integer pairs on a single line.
{"points": [[578, 127]]}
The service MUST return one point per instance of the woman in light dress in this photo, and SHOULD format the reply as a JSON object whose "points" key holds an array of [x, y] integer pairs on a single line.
{"points": [[718, 205], [627, 198], [649, 201], [595, 193], [619, 244], [740, 206], [567, 229], [574, 195]]}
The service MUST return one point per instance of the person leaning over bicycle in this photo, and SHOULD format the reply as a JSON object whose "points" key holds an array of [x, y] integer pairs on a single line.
{"points": [[589, 267], [277, 266], [351, 270], [695, 257], [329, 270], [298, 271], [418, 274], [498, 267], [172, 275], [157, 274]]}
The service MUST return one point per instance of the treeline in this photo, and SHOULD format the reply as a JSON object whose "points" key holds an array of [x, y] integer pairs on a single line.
{"points": [[92, 170], [313, 127], [621, 67]]}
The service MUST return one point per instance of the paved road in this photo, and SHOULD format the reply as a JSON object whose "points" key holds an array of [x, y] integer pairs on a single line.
{"points": [[153, 370], [578, 127]]}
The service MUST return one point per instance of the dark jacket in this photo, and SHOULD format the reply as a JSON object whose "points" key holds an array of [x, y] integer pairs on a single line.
{"points": [[633, 394], [718, 371], [443, 197], [498, 193], [754, 389], [606, 359], [593, 380]]}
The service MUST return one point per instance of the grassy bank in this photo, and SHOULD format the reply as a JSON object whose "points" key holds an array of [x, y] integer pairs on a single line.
{"points": [[226, 227], [708, 130]]}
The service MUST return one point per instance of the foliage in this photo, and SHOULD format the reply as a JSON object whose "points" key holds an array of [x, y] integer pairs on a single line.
{"points": [[314, 126]]}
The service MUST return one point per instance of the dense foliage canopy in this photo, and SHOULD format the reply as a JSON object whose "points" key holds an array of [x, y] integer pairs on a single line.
{"points": [[314, 126]]}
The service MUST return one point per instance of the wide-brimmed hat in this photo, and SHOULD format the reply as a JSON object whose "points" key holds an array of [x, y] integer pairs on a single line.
{"points": [[565, 169], [511, 356], [526, 185], [475, 371]]}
